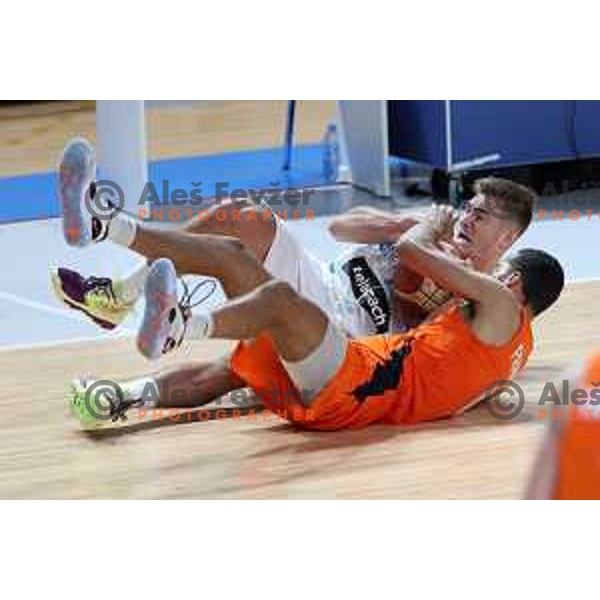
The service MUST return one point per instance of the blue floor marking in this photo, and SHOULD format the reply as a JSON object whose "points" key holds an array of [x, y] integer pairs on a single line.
{"points": [[30, 197]]}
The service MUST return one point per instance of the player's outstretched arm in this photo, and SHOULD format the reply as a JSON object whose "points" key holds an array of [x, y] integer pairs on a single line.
{"points": [[367, 225]]}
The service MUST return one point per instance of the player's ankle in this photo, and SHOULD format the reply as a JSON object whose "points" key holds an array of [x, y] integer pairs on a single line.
{"points": [[200, 326], [121, 229], [142, 393]]}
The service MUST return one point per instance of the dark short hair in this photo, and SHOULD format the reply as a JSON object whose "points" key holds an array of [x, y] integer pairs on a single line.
{"points": [[542, 276], [516, 200]]}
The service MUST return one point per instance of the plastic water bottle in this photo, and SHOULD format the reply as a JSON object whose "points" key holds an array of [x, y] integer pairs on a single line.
{"points": [[331, 154]]}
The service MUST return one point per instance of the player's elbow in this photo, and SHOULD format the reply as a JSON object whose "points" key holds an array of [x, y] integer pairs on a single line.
{"points": [[334, 227]]}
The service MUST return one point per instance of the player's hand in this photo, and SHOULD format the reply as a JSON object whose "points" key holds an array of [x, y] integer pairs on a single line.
{"points": [[435, 229], [440, 222]]}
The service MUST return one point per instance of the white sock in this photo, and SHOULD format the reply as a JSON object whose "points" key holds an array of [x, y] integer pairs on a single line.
{"points": [[144, 389], [121, 230], [199, 327], [131, 287]]}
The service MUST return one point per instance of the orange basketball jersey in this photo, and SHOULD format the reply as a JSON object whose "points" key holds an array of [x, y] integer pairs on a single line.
{"points": [[577, 459], [450, 369], [435, 370]]}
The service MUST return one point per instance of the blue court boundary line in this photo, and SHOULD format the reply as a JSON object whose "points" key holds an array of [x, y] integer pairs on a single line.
{"points": [[33, 197]]}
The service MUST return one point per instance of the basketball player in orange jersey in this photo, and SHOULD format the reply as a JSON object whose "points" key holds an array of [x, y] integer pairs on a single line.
{"points": [[366, 290], [301, 362], [568, 463]]}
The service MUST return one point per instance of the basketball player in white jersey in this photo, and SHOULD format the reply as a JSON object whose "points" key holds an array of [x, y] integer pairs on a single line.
{"points": [[365, 289]]}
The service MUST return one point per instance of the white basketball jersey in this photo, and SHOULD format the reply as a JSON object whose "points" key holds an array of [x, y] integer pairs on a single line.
{"points": [[361, 281]]}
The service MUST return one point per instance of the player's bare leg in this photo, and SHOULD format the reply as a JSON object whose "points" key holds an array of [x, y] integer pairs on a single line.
{"points": [[296, 325], [224, 258], [254, 226], [108, 301], [188, 386]]}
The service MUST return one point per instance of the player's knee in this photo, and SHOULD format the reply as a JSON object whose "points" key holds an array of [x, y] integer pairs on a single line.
{"points": [[232, 245], [255, 224], [223, 218], [281, 296], [257, 234]]}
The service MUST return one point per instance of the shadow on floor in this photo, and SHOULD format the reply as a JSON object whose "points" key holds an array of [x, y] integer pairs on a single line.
{"points": [[478, 417]]}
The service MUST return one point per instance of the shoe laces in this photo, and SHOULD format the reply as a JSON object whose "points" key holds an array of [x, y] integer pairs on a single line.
{"points": [[100, 292], [189, 300], [119, 407]]}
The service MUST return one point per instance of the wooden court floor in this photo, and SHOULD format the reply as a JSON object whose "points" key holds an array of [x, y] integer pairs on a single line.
{"points": [[43, 454], [33, 136]]}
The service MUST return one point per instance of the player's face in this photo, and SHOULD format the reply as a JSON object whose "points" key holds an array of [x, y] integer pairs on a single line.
{"points": [[477, 232]]}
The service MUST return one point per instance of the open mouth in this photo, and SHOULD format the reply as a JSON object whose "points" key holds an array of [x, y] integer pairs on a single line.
{"points": [[463, 236]]}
